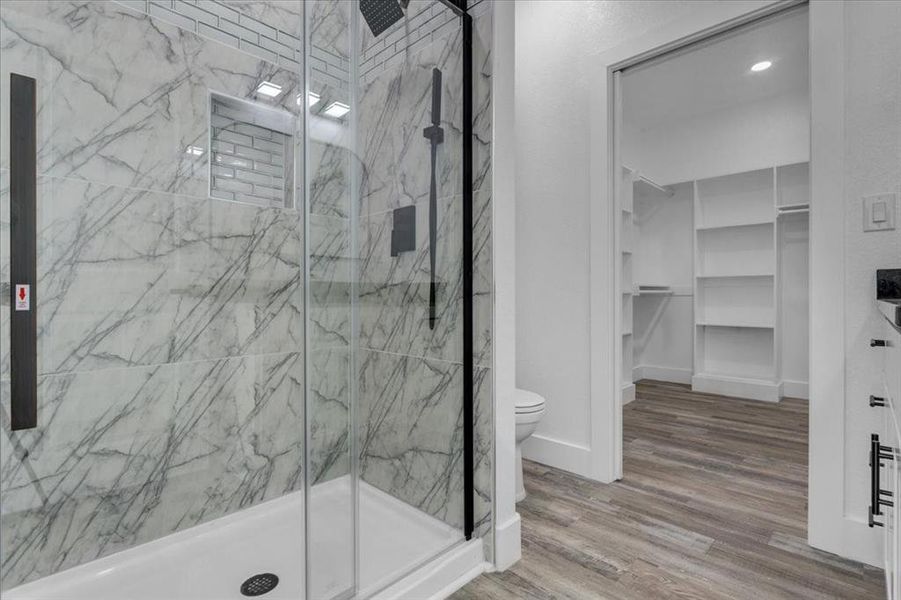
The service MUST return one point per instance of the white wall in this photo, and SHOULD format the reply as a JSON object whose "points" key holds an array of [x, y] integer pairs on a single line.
{"points": [[557, 43], [872, 152], [507, 541], [855, 151], [775, 131]]}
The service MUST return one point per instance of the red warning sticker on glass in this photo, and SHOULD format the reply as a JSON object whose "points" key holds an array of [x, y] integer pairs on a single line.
{"points": [[23, 297]]}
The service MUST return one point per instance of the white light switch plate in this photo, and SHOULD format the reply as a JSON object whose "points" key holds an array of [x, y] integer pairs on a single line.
{"points": [[879, 212]]}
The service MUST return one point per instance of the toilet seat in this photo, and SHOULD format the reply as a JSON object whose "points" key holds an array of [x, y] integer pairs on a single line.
{"points": [[528, 402]]}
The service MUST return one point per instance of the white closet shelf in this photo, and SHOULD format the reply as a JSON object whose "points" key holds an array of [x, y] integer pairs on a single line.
{"points": [[733, 275], [654, 290], [743, 324], [649, 189], [716, 227]]}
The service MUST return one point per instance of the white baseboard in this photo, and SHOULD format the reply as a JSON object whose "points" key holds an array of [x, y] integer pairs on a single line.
{"points": [[507, 543], [670, 374], [441, 577], [557, 453], [795, 389], [628, 393], [737, 387]]}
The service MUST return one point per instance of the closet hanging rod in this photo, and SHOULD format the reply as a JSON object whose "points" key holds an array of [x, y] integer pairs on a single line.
{"points": [[793, 210]]}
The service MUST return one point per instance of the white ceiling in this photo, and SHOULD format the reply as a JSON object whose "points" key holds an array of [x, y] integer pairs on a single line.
{"points": [[717, 74]]}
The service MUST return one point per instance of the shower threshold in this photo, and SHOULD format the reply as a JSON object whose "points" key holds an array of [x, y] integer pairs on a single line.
{"points": [[212, 560]]}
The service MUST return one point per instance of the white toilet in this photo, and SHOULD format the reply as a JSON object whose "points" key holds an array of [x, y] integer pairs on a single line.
{"points": [[529, 410]]}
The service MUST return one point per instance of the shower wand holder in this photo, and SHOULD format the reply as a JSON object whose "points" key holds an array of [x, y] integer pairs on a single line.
{"points": [[434, 133]]}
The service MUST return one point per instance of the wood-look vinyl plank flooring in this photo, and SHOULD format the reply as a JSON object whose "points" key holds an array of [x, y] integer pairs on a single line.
{"points": [[712, 505]]}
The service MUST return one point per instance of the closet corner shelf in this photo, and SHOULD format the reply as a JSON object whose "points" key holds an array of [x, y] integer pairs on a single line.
{"points": [[735, 225]]}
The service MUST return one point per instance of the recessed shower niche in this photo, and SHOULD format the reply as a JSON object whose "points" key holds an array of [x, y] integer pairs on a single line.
{"points": [[252, 153]]}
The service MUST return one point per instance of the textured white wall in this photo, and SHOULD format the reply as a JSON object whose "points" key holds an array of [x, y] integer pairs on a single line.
{"points": [[872, 165], [775, 131], [556, 42]]}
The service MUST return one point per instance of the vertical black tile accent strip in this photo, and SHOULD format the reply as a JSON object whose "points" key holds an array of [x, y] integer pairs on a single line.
{"points": [[23, 250], [468, 375]]}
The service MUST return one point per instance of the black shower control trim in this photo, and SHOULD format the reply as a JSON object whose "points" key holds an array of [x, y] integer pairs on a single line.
{"points": [[403, 233], [877, 343]]}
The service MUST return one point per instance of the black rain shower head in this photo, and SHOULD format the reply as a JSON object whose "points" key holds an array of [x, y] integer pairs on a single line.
{"points": [[382, 14]]}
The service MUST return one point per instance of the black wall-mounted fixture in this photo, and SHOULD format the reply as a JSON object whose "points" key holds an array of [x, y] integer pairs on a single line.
{"points": [[382, 14], [403, 233], [435, 134], [468, 322], [23, 251], [888, 284]]}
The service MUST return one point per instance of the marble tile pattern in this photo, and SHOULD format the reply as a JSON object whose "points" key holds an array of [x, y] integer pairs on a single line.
{"points": [[483, 273], [148, 97], [170, 325], [124, 456], [331, 262], [394, 110], [410, 376]]}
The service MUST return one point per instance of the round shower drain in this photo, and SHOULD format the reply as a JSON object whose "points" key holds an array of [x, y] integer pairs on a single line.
{"points": [[259, 584]]}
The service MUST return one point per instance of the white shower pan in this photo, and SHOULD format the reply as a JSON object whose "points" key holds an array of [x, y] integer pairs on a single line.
{"points": [[212, 560]]}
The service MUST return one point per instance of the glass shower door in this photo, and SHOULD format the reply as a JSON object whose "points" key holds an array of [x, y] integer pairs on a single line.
{"points": [[151, 415], [386, 399]]}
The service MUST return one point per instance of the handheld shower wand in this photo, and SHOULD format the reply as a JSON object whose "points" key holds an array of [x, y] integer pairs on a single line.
{"points": [[435, 134]]}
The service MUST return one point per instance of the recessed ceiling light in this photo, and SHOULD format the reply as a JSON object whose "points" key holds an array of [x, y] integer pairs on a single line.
{"points": [[194, 150], [267, 88], [336, 110], [761, 66], [312, 99]]}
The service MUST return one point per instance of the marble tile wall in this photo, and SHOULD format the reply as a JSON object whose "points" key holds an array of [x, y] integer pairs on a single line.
{"points": [[332, 267], [410, 376], [170, 325]]}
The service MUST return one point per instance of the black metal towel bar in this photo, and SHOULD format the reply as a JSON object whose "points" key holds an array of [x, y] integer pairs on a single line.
{"points": [[23, 251]]}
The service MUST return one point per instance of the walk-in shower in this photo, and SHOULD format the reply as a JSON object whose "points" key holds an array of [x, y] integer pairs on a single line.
{"points": [[226, 378]]}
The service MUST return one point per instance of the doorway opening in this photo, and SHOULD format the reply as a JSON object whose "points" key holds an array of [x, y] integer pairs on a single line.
{"points": [[711, 159]]}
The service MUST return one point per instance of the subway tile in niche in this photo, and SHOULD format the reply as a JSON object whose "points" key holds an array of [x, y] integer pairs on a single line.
{"points": [[252, 156]]}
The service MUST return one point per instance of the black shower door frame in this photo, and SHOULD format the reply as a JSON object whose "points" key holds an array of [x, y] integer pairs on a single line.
{"points": [[461, 7]]}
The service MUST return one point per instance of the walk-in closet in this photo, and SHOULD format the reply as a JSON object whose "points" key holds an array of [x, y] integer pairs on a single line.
{"points": [[714, 198]]}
